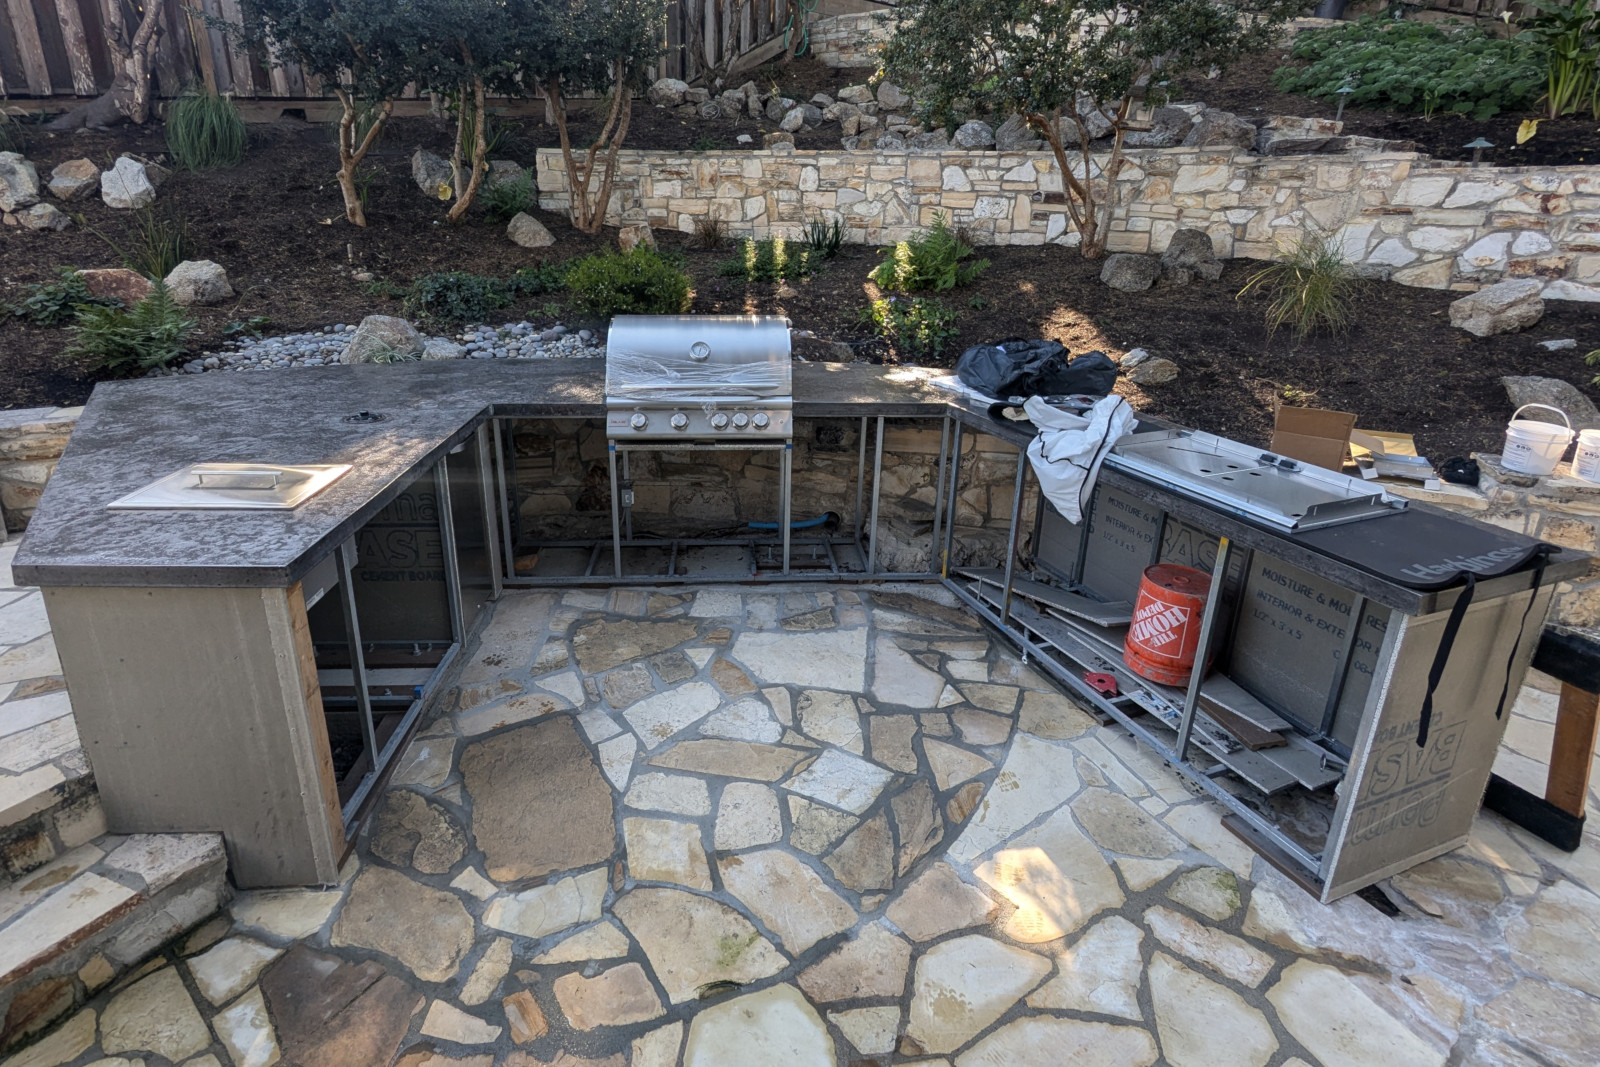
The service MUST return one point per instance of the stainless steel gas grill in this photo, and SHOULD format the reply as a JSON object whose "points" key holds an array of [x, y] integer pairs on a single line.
{"points": [[696, 382]]}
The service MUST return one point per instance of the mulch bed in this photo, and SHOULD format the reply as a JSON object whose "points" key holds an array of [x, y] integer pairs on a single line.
{"points": [[276, 223]]}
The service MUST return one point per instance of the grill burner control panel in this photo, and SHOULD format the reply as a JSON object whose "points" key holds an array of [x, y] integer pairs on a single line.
{"points": [[719, 421]]}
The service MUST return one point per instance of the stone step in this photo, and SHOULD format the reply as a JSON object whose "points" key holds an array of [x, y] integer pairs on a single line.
{"points": [[72, 926], [48, 801]]}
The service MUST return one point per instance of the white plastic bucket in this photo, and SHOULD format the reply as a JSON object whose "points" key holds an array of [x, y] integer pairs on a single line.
{"points": [[1586, 464], [1535, 447]]}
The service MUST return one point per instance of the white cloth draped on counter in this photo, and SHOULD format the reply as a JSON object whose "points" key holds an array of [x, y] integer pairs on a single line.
{"points": [[1068, 450]]}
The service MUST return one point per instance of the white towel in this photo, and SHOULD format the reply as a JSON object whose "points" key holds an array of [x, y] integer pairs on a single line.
{"points": [[1069, 449]]}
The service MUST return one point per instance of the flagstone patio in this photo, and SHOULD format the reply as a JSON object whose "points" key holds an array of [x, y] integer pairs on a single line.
{"points": [[816, 826]]}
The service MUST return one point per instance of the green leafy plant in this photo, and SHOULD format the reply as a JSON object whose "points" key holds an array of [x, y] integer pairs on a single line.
{"points": [[824, 237], [251, 327], [932, 261], [1414, 66], [1566, 36], [55, 303], [385, 288], [1593, 360], [205, 131], [640, 282], [917, 327], [538, 279], [504, 199], [705, 143], [148, 335], [455, 296], [768, 261], [13, 134], [1308, 289], [158, 243]]}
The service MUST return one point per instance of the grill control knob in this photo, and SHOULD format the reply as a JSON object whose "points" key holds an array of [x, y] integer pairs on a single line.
{"points": [[639, 420], [679, 420], [740, 421], [760, 421], [719, 421]]}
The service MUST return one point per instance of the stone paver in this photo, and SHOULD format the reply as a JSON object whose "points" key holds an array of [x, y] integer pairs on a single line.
{"points": [[818, 826]]}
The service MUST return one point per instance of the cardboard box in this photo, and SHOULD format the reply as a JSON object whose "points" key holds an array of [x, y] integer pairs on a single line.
{"points": [[1313, 435]]}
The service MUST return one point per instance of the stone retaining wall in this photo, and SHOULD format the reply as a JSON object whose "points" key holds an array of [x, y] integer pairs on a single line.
{"points": [[1403, 215], [31, 441], [850, 40], [563, 490]]}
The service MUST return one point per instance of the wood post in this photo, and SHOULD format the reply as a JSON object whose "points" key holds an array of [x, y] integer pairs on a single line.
{"points": [[1572, 751]]}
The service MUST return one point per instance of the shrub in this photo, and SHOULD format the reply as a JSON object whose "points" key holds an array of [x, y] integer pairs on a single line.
{"points": [[55, 303], [918, 327], [640, 282], [824, 237], [455, 296], [710, 233], [1308, 289], [932, 261], [767, 261], [205, 131], [1566, 38], [532, 281], [1415, 66], [150, 334], [503, 200]]}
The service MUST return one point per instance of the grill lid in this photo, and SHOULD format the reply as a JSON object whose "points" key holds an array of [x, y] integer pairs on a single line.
{"points": [[233, 486], [671, 357]]}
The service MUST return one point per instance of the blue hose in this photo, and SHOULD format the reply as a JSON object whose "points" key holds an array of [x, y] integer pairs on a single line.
{"points": [[808, 524]]}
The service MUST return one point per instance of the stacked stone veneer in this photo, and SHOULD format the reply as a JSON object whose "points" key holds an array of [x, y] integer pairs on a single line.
{"points": [[31, 441], [850, 40], [1403, 215], [563, 491]]}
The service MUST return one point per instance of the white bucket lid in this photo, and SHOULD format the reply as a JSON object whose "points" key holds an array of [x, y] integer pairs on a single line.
{"points": [[1590, 438]]}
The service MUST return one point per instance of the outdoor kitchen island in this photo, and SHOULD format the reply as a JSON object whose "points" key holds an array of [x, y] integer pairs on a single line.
{"points": [[255, 673]]}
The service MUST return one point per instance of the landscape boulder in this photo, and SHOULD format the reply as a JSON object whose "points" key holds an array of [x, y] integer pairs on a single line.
{"points": [[793, 121], [126, 186], [856, 94], [442, 348], [155, 173], [697, 94], [731, 104], [384, 339], [778, 106], [502, 171], [1555, 392], [635, 234], [76, 179], [932, 141], [1153, 370], [1218, 129], [117, 283], [974, 135], [1168, 127], [1130, 272], [1504, 307], [1091, 115], [1015, 135], [529, 232], [777, 137], [1190, 253], [43, 217], [430, 172], [668, 92], [199, 281], [1284, 135], [893, 97], [19, 182]]}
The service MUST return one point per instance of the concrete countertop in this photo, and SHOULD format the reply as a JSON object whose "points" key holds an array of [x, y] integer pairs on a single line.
{"points": [[132, 433]]}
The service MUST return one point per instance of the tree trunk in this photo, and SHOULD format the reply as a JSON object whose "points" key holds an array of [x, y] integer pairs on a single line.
{"points": [[480, 164], [128, 99], [351, 154], [586, 216]]}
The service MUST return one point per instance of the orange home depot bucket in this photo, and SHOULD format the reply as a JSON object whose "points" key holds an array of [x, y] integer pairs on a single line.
{"points": [[1166, 623]]}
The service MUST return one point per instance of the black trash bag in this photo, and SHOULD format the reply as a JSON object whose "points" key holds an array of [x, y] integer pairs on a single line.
{"points": [[1459, 471], [1015, 367]]}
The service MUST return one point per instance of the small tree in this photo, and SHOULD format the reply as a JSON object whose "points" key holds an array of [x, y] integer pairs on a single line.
{"points": [[600, 45], [359, 48], [1062, 62]]}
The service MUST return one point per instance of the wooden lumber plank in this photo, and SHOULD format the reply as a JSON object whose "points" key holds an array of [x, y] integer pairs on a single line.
{"points": [[200, 42], [30, 49], [10, 61], [221, 59], [1572, 750], [244, 77], [75, 41], [1243, 730], [181, 40]]}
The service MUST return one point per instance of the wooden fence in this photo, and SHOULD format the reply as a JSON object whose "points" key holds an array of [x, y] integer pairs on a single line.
{"points": [[57, 48]]}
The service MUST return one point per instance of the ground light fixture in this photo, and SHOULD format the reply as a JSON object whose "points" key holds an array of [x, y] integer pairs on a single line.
{"points": [[1477, 145], [1344, 92]]}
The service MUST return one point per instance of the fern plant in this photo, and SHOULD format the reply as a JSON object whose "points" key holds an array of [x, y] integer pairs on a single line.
{"points": [[934, 261], [205, 131], [149, 335]]}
